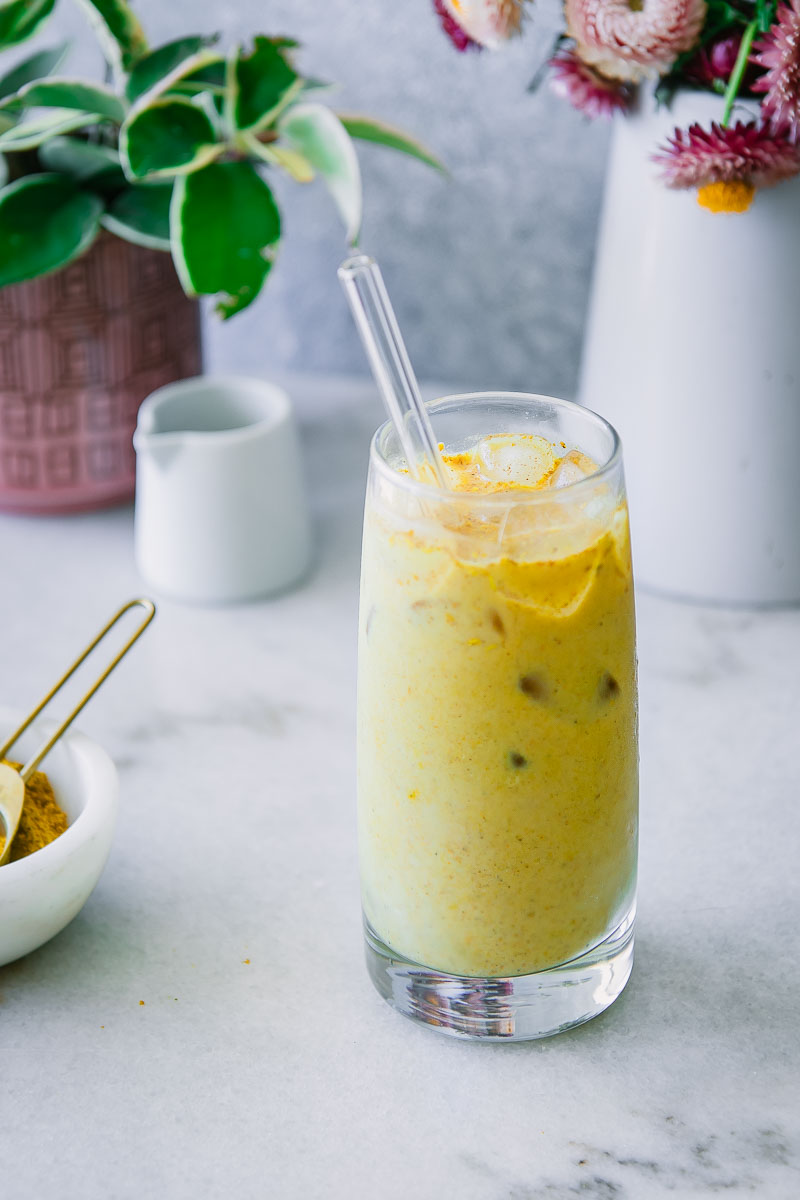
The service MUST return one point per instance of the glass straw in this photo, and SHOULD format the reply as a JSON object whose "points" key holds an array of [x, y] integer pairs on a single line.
{"points": [[374, 316]]}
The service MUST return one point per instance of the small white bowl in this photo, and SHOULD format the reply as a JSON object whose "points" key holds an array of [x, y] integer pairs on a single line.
{"points": [[41, 894]]}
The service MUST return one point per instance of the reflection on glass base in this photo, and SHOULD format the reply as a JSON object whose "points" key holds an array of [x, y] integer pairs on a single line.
{"points": [[510, 1009]]}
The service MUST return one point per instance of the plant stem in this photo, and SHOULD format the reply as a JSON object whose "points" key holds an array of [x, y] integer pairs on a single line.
{"points": [[765, 14], [735, 81]]}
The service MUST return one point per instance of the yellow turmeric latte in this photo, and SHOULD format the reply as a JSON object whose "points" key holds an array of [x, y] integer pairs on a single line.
{"points": [[497, 718]]}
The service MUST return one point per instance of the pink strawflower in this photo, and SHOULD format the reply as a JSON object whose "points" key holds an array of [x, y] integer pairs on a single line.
{"points": [[630, 41], [746, 153], [482, 22], [779, 54], [585, 88], [716, 61], [453, 30]]}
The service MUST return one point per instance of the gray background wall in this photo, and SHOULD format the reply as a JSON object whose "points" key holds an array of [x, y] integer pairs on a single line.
{"points": [[489, 271]]}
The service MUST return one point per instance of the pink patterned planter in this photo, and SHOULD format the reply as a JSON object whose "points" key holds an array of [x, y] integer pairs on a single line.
{"points": [[79, 352]]}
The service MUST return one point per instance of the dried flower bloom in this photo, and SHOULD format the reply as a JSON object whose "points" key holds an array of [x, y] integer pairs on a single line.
{"points": [[746, 154], [633, 39], [453, 30], [744, 151], [586, 88], [715, 61], [779, 53], [485, 22]]}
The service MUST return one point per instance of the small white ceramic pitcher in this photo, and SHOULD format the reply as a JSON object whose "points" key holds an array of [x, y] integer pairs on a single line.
{"points": [[221, 510]]}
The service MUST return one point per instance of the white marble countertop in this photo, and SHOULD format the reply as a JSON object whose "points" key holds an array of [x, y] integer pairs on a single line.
{"points": [[286, 1076]]}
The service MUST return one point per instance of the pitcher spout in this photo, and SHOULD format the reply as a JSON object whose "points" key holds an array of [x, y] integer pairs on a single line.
{"points": [[160, 448]]}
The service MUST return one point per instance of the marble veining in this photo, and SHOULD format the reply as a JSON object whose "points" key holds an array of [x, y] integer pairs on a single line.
{"points": [[261, 1063]]}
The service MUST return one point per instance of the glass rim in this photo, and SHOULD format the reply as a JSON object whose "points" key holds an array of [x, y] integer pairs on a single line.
{"points": [[432, 492]]}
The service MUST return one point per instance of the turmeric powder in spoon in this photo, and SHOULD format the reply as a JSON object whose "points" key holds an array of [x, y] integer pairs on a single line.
{"points": [[42, 820]]}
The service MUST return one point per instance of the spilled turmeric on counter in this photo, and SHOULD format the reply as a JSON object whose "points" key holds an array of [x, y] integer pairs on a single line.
{"points": [[42, 820]]}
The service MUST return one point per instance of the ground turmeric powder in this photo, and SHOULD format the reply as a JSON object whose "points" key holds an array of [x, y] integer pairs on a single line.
{"points": [[42, 818]]}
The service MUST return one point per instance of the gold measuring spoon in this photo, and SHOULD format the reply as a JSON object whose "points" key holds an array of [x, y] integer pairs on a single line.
{"points": [[12, 782]]}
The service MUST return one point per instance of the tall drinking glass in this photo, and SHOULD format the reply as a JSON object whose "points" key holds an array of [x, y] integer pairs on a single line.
{"points": [[497, 728]]}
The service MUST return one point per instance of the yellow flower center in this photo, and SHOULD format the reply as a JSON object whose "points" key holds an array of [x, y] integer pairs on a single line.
{"points": [[733, 197]]}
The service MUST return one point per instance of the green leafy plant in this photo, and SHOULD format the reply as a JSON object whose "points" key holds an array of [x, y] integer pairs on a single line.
{"points": [[174, 151]]}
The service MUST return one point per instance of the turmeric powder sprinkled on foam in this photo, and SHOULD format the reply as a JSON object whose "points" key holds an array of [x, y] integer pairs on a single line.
{"points": [[42, 820]]}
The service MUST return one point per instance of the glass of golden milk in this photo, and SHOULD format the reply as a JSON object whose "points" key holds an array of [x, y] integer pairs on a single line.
{"points": [[497, 721]]}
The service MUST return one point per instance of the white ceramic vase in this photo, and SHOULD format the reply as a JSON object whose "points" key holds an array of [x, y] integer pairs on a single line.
{"points": [[693, 353]]}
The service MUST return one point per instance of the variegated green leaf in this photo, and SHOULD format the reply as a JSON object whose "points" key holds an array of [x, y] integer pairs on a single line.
{"points": [[150, 70], [261, 84], [210, 78], [45, 222], [82, 161], [225, 227], [34, 67], [141, 215], [72, 93], [20, 19], [27, 135], [318, 134], [170, 137], [370, 130], [192, 65], [118, 31]]}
